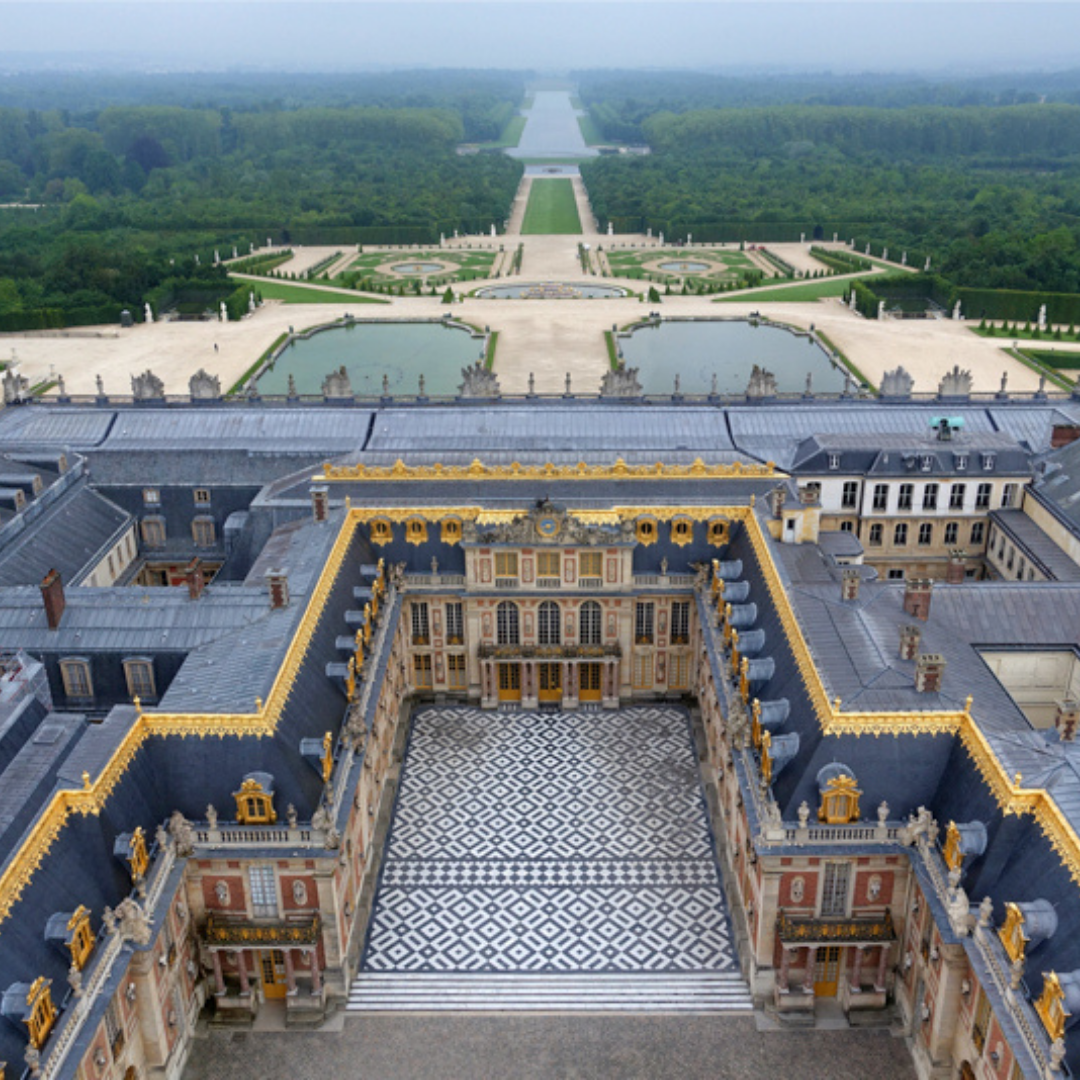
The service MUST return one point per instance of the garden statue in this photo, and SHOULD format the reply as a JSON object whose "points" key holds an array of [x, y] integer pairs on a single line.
{"points": [[148, 313]]}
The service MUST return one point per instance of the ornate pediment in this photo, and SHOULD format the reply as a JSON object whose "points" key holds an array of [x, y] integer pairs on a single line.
{"points": [[547, 523]]}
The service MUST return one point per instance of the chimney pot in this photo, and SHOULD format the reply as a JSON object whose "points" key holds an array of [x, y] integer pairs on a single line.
{"points": [[917, 594], [955, 571], [320, 502], [929, 672], [52, 596], [1063, 434], [850, 581], [278, 581], [1067, 719], [909, 641]]}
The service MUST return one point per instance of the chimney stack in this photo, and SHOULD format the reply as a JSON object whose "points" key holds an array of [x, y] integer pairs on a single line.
{"points": [[779, 497], [850, 581], [909, 642], [955, 571], [52, 596], [193, 575], [917, 597], [278, 581], [320, 502], [1067, 719], [1063, 434], [929, 671]]}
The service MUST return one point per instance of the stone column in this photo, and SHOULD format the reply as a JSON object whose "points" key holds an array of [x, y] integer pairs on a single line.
{"points": [[785, 967], [219, 978], [882, 969], [290, 974], [811, 963], [241, 960], [316, 976], [855, 982], [570, 684]]}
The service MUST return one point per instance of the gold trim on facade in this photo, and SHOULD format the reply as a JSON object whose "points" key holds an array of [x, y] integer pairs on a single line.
{"points": [[477, 470]]}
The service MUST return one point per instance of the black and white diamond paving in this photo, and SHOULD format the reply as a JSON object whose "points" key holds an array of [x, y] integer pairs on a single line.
{"points": [[561, 843]]}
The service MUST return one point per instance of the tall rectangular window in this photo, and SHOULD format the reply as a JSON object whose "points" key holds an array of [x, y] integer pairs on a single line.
{"points": [[850, 497], [679, 672], [264, 904], [952, 528], [643, 622], [834, 889], [422, 671], [643, 678], [956, 496], [900, 534], [982, 496], [455, 671], [875, 534], [680, 622], [881, 496], [1008, 496], [140, 679], [907, 494], [978, 529], [926, 534], [455, 624], [202, 532], [421, 629], [76, 676], [929, 497], [153, 531], [981, 1021]]}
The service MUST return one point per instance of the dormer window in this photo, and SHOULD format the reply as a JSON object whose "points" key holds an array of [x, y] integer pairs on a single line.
{"points": [[834, 462], [926, 462], [961, 462], [988, 461], [151, 496]]}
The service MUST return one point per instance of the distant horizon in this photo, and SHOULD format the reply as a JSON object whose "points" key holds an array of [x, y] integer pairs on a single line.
{"points": [[893, 37]]}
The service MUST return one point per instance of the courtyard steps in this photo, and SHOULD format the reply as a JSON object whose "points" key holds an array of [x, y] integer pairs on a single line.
{"points": [[632, 992]]}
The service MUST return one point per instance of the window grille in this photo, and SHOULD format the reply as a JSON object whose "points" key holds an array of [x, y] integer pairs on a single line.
{"points": [[548, 569], [264, 903], [643, 623], [881, 496], [834, 889], [850, 498], [153, 532], [421, 629], [422, 671], [929, 497], [952, 530], [680, 622], [956, 496], [643, 672], [875, 534], [140, 679], [591, 568], [978, 528], [455, 669], [1008, 496], [202, 531], [926, 534], [982, 497], [455, 624], [900, 534], [907, 494], [590, 623], [507, 624], [76, 677], [549, 630], [506, 569]]}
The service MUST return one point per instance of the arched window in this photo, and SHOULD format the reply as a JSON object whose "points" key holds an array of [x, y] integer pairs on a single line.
{"points": [[590, 623], [548, 624], [506, 624]]}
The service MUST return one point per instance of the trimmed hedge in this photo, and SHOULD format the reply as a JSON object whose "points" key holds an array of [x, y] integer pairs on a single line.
{"points": [[1015, 306], [57, 318]]}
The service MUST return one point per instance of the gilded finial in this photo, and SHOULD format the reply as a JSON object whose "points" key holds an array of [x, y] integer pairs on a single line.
{"points": [[1018, 779], [753, 500], [836, 704], [137, 702], [348, 502], [967, 703], [258, 704], [85, 780]]}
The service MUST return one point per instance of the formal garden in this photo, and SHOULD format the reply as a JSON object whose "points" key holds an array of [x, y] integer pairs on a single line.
{"points": [[708, 268]]}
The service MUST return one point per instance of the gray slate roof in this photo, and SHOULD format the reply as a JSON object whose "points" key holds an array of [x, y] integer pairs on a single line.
{"points": [[67, 536], [1037, 546]]}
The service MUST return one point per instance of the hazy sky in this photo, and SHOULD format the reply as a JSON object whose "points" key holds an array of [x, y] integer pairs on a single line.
{"points": [[893, 35]]}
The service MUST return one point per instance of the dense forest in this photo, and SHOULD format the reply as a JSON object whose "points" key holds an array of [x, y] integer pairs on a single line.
{"points": [[990, 192], [133, 201]]}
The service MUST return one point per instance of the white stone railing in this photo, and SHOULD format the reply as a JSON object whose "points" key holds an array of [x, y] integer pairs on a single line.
{"points": [[228, 834], [428, 581]]}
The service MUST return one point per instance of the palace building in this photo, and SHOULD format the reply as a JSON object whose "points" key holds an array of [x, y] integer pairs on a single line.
{"points": [[736, 705]]}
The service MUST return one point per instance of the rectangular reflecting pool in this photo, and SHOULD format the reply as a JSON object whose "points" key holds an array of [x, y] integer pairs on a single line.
{"points": [[401, 351], [696, 351]]}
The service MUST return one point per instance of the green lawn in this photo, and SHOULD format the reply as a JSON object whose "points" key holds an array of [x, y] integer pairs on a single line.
{"points": [[552, 209], [589, 131], [296, 294], [511, 135], [812, 290]]}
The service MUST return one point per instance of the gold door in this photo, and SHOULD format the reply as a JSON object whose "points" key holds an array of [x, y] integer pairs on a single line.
{"points": [[509, 682], [272, 968], [827, 971], [550, 678], [589, 682]]}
